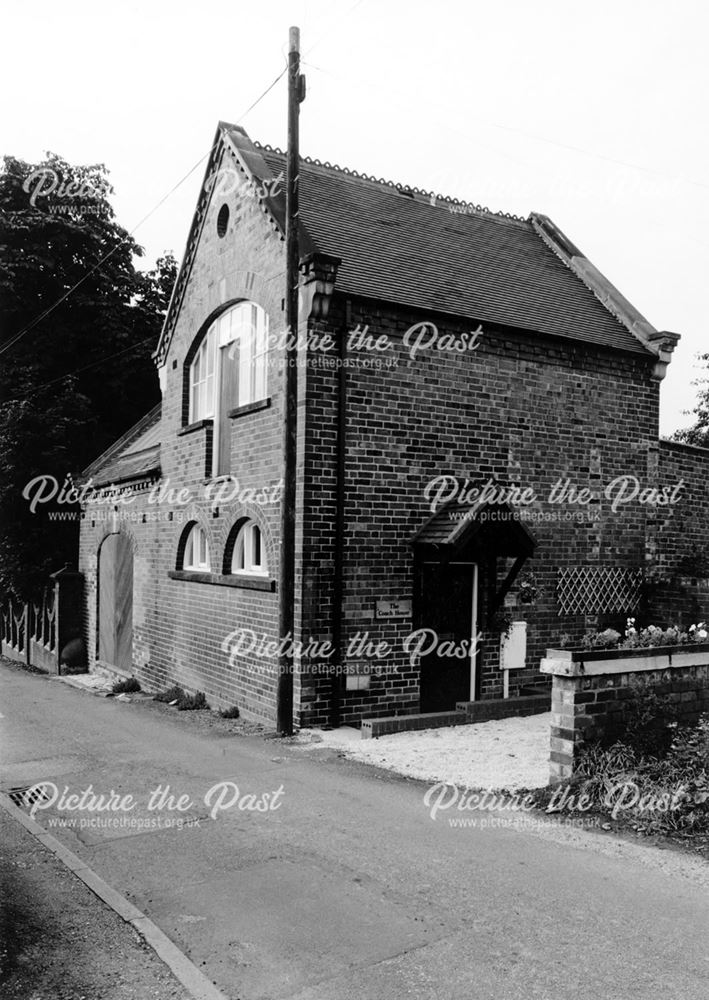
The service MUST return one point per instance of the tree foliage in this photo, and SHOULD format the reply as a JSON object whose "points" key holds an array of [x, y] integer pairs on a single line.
{"points": [[698, 434], [80, 373]]}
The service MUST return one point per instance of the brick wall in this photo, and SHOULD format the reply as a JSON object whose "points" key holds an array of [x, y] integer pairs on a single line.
{"points": [[586, 709], [179, 626], [678, 551], [520, 409]]}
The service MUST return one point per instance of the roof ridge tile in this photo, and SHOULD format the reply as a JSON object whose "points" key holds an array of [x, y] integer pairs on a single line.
{"points": [[469, 207]]}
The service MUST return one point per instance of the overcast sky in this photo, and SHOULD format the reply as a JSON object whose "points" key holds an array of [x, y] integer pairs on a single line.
{"points": [[594, 114]]}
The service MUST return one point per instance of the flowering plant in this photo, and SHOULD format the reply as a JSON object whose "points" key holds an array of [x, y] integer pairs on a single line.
{"points": [[528, 589], [653, 635], [608, 639]]}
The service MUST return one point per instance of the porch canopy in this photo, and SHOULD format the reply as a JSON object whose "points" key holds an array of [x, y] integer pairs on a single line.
{"points": [[477, 533]]}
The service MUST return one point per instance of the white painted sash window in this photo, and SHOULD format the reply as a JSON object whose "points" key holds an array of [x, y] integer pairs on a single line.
{"points": [[230, 369], [196, 550], [244, 329], [249, 555]]}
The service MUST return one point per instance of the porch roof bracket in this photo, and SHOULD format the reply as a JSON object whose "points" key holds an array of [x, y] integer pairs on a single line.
{"points": [[507, 584]]}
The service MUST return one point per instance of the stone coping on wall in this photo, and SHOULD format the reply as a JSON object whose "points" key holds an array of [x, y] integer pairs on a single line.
{"points": [[589, 662]]}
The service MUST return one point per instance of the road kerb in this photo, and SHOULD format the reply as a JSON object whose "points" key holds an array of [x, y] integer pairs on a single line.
{"points": [[194, 981]]}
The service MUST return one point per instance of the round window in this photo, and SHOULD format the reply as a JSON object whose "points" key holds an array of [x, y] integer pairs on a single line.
{"points": [[222, 220]]}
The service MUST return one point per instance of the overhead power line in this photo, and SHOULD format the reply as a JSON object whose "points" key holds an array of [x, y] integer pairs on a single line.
{"points": [[43, 315], [78, 371], [363, 82]]}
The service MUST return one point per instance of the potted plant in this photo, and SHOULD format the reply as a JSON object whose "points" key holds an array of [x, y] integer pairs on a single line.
{"points": [[528, 590], [648, 648]]}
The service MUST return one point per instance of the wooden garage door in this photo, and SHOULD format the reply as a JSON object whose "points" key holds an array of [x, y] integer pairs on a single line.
{"points": [[115, 611]]}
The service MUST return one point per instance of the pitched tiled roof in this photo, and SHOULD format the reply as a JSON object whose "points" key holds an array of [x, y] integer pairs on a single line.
{"points": [[446, 257], [133, 457], [495, 526]]}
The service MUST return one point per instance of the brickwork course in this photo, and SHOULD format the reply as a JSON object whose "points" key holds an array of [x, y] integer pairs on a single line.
{"points": [[561, 382], [593, 709]]}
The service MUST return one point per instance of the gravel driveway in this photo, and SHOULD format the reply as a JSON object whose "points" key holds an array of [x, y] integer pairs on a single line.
{"points": [[506, 753]]}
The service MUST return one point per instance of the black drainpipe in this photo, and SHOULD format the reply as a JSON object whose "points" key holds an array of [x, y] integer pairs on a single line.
{"points": [[336, 681]]}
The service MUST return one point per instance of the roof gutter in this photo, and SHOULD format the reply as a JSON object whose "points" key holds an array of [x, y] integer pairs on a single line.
{"points": [[661, 343]]}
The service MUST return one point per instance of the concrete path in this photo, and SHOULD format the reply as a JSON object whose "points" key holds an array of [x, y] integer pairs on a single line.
{"points": [[347, 888]]}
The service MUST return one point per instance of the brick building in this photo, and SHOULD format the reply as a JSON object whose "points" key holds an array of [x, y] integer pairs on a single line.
{"points": [[443, 349]]}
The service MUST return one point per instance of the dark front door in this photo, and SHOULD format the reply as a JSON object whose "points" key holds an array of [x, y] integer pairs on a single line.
{"points": [[446, 607], [115, 607]]}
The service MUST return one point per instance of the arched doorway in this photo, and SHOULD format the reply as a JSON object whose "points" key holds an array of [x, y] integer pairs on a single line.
{"points": [[115, 602]]}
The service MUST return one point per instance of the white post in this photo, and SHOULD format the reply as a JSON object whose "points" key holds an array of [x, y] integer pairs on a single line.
{"points": [[474, 635]]}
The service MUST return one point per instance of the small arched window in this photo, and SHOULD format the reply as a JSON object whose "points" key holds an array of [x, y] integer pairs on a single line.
{"points": [[249, 554], [196, 553]]}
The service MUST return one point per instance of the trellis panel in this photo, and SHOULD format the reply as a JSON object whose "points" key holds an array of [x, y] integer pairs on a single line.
{"points": [[595, 590]]}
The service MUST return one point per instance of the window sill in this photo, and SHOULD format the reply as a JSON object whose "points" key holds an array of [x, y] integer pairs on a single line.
{"points": [[240, 411], [198, 425], [246, 582]]}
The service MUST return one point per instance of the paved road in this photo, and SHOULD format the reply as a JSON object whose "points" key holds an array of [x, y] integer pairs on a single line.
{"points": [[347, 889]]}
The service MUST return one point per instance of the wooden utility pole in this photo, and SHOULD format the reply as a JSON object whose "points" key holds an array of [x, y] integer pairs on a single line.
{"points": [[286, 582]]}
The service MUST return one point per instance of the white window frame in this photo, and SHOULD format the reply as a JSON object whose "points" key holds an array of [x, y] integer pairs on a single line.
{"points": [[244, 554], [244, 325], [196, 555], [202, 379], [256, 373]]}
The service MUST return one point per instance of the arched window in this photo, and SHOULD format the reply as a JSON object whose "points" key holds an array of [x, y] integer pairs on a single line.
{"points": [[229, 368], [249, 554], [196, 551]]}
